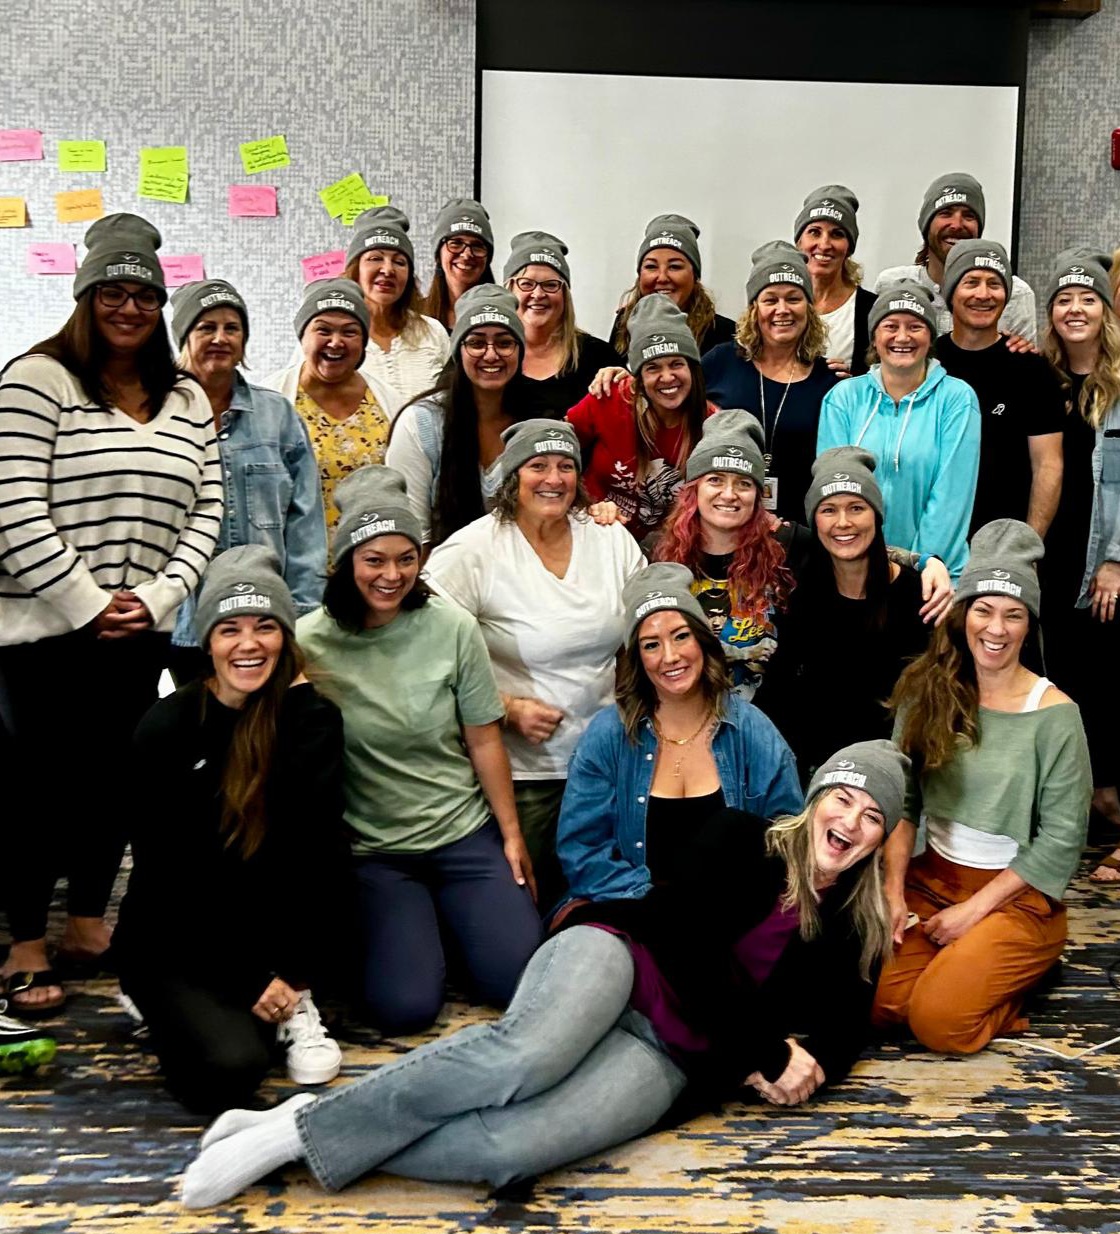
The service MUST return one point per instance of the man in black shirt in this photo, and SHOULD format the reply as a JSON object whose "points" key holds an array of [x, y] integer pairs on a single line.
{"points": [[1022, 408]]}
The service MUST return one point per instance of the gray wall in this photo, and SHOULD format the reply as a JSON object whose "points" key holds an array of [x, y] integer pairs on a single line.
{"points": [[386, 89]]}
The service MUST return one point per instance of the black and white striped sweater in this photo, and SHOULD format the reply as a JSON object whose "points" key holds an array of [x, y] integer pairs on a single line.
{"points": [[93, 502]]}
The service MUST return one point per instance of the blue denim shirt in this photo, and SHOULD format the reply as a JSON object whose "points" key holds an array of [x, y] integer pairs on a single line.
{"points": [[601, 836], [272, 495], [1104, 529]]}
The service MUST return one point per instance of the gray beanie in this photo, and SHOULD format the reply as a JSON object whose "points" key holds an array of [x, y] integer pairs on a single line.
{"points": [[532, 438], [243, 582], [903, 297], [333, 296], [383, 227], [372, 502], [831, 203], [658, 328], [977, 254], [537, 248], [121, 248], [843, 469], [463, 216], [778, 262], [878, 767], [190, 301], [663, 585], [1002, 557], [672, 231], [1080, 266], [731, 440], [955, 188], [486, 304]]}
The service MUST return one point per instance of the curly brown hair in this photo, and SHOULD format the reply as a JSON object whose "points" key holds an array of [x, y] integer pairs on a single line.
{"points": [[505, 501]]}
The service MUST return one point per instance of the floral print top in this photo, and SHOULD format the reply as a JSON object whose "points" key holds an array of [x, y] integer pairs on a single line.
{"points": [[342, 446]]}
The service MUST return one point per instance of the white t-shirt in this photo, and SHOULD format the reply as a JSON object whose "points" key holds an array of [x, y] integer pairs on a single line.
{"points": [[841, 327], [552, 639]]}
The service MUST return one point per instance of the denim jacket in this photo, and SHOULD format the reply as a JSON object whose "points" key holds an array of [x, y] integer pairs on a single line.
{"points": [[272, 495], [1104, 529], [602, 830]]}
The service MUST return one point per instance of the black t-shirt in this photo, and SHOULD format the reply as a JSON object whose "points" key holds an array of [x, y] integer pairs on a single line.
{"points": [[1020, 397], [1067, 542], [552, 397]]}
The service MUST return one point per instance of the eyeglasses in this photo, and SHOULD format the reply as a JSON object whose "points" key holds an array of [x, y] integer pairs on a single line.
{"points": [[147, 299], [475, 247], [476, 345], [552, 286]]}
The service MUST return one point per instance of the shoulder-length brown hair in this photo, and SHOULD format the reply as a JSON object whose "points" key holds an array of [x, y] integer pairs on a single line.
{"points": [[694, 412], [81, 350], [635, 694], [404, 314], [700, 309], [438, 302]]}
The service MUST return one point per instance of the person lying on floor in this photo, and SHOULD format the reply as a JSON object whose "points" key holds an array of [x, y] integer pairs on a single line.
{"points": [[633, 1006], [1002, 787], [238, 854]]}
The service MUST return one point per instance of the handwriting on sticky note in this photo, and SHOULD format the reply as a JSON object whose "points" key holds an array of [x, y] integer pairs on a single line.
{"points": [[335, 196], [357, 206], [51, 259], [252, 201], [164, 186], [264, 155], [81, 156], [20, 145], [78, 205], [323, 265], [179, 270], [170, 160], [13, 212]]}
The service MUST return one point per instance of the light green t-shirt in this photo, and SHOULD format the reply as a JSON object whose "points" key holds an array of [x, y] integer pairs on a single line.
{"points": [[405, 691]]}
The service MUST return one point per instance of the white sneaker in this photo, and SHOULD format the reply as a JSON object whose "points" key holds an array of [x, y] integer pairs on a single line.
{"points": [[313, 1057]]}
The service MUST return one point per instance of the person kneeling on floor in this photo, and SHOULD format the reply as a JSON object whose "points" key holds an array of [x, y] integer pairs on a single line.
{"points": [[238, 851], [1001, 789]]}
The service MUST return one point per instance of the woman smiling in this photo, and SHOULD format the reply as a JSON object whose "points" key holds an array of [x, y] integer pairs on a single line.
{"points": [[464, 250]]}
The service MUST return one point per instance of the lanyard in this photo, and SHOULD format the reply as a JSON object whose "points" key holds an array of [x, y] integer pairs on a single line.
{"points": [[770, 434]]}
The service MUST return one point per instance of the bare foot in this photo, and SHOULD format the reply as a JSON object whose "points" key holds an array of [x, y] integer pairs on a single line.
{"points": [[1109, 869], [30, 957], [85, 938]]}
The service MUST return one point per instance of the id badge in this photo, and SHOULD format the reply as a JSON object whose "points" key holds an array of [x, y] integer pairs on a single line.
{"points": [[770, 493]]}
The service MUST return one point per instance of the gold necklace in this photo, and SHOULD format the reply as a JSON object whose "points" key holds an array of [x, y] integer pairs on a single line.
{"points": [[681, 742]]}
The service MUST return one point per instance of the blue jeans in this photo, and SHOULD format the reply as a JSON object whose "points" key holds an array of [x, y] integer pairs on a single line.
{"points": [[464, 890], [567, 1071]]}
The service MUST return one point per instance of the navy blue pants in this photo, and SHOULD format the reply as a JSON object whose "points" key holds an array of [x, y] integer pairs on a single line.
{"points": [[411, 905]]}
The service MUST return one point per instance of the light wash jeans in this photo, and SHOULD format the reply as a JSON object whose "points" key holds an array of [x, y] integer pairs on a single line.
{"points": [[567, 1071]]}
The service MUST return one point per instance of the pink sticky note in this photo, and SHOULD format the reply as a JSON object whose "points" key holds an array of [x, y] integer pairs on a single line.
{"points": [[323, 265], [180, 270], [20, 145], [51, 259], [252, 201]]}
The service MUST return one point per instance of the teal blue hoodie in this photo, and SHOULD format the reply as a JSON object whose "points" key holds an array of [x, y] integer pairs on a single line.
{"points": [[927, 450]]}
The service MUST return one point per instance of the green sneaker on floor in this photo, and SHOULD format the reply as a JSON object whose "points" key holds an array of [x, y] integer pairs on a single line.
{"points": [[22, 1047]]}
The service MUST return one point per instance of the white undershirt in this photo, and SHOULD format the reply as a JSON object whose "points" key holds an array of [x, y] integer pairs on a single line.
{"points": [[967, 846], [840, 327]]}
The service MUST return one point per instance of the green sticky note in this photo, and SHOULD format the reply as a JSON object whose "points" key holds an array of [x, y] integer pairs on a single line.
{"points": [[81, 156], [359, 205], [164, 185], [166, 160], [264, 155], [335, 196]]}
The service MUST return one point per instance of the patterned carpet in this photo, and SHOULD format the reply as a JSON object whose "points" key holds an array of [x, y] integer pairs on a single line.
{"points": [[1014, 1139]]}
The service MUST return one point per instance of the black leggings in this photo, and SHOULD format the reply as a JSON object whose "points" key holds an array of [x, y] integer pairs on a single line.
{"points": [[213, 1052], [70, 704]]}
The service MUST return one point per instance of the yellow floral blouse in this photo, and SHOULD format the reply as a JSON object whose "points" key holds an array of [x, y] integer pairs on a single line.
{"points": [[342, 446]]}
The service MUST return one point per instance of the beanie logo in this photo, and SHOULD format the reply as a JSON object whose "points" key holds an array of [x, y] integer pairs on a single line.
{"points": [[1077, 269], [1001, 574], [654, 600], [733, 460], [664, 240], [826, 210], [786, 274], [854, 778], [660, 347], [220, 297], [372, 524], [841, 484], [232, 603], [128, 267], [1075, 276], [335, 302], [840, 475], [845, 764], [242, 588], [907, 305], [555, 445], [545, 258], [492, 315], [999, 582], [950, 197], [991, 262], [466, 224], [130, 256], [382, 239]]}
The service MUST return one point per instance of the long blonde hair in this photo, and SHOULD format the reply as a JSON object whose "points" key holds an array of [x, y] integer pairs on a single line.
{"points": [[1101, 390], [791, 839], [700, 309], [811, 344], [566, 333]]}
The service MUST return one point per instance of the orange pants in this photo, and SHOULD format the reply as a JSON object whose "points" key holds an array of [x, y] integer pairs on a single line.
{"points": [[955, 999]]}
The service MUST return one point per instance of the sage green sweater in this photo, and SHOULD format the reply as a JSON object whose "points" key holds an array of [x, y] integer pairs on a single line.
{"points": [[1028, 778]]}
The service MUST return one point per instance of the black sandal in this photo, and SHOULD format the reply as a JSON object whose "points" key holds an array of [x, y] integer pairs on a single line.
{"points": [[21, 982]]}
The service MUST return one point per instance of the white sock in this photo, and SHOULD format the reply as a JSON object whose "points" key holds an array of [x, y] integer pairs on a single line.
{"points": [[233, 1121], [228, 1166]]}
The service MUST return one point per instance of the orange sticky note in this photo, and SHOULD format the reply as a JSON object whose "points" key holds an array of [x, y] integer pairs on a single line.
{"points": [[78, 205], [13, 212]]}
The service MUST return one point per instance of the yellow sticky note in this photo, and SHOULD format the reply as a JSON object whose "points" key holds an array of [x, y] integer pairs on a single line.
{"points": [[359, 205], [167, 160], [13, 212], [335, 196], [78, 205], [163, 186], [81, 156], [264, 155]]}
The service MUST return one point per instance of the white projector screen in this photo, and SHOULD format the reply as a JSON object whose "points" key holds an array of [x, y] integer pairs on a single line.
{"points": [[592, 157]]}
